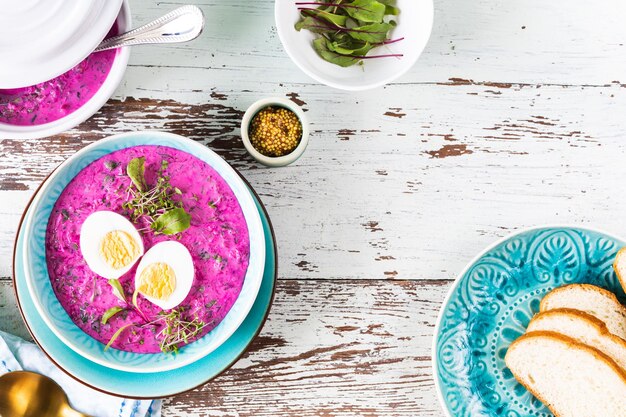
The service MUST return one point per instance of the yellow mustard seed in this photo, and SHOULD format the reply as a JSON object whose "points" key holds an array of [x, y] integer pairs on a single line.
{"points": [[275, 131]]}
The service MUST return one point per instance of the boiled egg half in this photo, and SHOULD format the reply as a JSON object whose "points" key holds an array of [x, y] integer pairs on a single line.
{"points": [[165, 274], [110, 244]]}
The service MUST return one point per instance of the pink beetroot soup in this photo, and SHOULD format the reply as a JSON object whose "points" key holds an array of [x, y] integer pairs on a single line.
{"points": [[54, 99], [217, 240]]}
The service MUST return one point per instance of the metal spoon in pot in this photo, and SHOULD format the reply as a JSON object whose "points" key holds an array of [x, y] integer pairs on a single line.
{"points": [[180, 25], [27, 394]]}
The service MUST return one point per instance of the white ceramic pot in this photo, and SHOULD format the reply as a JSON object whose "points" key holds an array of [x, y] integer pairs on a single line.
{"points": [[94, 104]]}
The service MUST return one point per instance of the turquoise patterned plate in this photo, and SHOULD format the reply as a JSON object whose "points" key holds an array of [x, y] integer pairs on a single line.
{"points": [[490, 306], [150, 385]]}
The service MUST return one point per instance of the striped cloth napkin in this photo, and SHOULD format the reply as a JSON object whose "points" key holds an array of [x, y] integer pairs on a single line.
{"points": [[17, 354]]}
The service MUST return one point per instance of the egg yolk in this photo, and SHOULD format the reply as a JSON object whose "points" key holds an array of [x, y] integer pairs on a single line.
{"points": [[118, 249], [157, 281]]}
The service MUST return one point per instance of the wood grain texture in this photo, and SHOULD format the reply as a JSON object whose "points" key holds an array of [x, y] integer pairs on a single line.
{"points": [[528, 41], [379, 196], [511, 118], [329, 348]]}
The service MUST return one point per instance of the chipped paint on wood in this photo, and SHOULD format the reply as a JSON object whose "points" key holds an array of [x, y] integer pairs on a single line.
{"points": [[455, 81], [520, 154], [395, 112], [372, 226], [322, 338], [450, 150], [546, 132], [295, 97]]}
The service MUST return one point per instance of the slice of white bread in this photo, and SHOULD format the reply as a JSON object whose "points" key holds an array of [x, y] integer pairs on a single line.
{"points": [[583, 328], [570, 378], [598, 302], [619, 265]]}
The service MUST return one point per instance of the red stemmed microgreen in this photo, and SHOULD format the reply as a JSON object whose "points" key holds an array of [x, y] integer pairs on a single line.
{"points": [[349, 29]]}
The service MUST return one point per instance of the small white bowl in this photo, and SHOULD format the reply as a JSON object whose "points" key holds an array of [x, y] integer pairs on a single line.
{"points": [[274, 161], [415, 23], [88, 109]]}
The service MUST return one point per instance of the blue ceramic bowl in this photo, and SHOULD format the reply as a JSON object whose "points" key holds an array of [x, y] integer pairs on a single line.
{"points": [[135, 385], [492, 302], [55, 316]]}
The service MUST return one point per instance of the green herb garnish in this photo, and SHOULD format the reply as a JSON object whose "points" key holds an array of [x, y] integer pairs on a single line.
{"points": [[117, 289], [116, 335], [155, 205], [349, 29], [136, 171], [136, 305], [111, 165], [135, 294], [110, 313], [177, 329], [172, 222]]}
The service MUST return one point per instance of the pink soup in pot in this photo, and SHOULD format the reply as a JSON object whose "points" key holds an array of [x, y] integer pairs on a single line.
{"points": [[56, 98]]}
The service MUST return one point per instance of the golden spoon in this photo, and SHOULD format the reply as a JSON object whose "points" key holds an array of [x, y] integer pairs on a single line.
{"points": [[27, 394]]}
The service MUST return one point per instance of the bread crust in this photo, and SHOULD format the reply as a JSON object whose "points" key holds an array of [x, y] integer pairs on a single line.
{"points": [[570, 343], [594, 321], [622, 280], [586, 287]]}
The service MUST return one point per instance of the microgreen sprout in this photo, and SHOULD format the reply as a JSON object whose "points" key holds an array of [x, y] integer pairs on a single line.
{"points": [[154, 206], [116, 335], [348, 30], [176, 328]]}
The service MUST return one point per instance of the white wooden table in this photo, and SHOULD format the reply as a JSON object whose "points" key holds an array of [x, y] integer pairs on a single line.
{"points": [[513, 117]]}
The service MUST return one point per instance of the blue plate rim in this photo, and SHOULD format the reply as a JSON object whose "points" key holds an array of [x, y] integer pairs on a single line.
{"points": [[59, 321], [225, 368], [469, 265]]}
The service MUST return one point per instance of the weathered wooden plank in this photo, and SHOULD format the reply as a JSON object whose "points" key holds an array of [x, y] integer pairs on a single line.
{"points": [[511, 118], [531, 41], [10, 318], [329, 348], [407, 190]]}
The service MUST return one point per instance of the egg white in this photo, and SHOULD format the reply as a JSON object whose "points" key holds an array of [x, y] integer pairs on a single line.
{"points": [[94, 229], [176, 255]]}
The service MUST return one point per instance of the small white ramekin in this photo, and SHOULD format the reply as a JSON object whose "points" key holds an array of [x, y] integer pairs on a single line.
{"points": [[274, 161], [104, 93]]}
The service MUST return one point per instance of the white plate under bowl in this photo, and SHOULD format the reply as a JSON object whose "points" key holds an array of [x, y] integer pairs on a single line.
{"points": [[42, 39], [84, 112], [415, 23]]}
